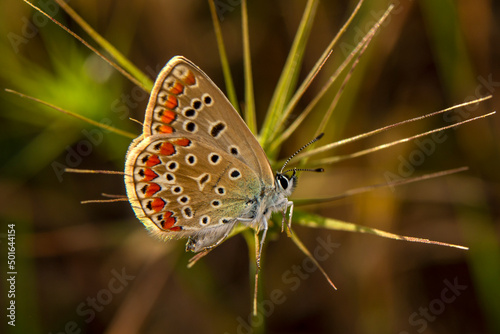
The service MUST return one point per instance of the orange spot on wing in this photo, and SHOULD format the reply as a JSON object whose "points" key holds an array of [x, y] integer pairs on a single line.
{"points": [[182, 142], [171, 102], [175, 229], [165, 129], [167, 116], [177, 88], [168, 221], [158, 204], [189, 79], [152, 189], [167, 148], [153, 160], [149, 175]]}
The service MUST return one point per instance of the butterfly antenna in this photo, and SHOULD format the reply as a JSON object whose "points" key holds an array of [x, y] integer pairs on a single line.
{"points": [[317, 170], [299, 150]]}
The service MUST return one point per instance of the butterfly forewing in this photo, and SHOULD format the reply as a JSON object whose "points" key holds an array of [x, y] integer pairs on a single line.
{"points": [[196, 168], [185, 101]]}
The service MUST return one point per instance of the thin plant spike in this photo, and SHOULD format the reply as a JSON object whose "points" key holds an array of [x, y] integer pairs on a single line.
{"points": [[125, 199], [92, 171], [361, 190], [315, 70], [311, 220], [236, 230], [336, 98], [334, 159], [259, 246], [275, 144], [91, 48], [226, 70], [290, 72], [388, 127], [113, 196], [136, 121], [192, 261], [305, 84], [252, 240], [80, 117], [154, 274], [310, 107], [304, 250], [247, 61], [147, 84], [369, 38]]}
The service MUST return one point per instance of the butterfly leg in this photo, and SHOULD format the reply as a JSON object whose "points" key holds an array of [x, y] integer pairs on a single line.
{"points": [[283, 213], [261, 243], [289, 204]]}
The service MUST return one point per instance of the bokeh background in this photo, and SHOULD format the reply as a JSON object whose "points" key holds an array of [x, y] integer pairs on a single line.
{"points": [[430, 55]]}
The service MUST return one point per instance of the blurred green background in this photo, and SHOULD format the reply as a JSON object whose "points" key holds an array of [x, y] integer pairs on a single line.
{"points": [[94, 268]]}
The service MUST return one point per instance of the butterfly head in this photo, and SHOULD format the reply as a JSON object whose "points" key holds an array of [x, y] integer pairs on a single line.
{"points": [[284, 183]]}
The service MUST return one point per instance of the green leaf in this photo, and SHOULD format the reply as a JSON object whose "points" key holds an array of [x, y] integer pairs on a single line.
{"points": [[288, 78], [249, 94], [226, 71]]}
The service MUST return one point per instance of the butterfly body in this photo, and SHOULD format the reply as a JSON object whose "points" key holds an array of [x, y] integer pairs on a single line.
{"points": [[197, 170]]}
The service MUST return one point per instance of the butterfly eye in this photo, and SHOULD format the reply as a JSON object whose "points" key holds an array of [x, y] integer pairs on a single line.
{"points": [[283, 182]]}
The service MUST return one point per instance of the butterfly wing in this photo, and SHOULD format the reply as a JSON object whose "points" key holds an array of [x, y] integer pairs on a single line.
{"points": [[185, 90], [197, 166]]}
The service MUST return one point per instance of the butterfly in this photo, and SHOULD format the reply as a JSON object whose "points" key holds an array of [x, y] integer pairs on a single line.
{"points": [[197, 170]]}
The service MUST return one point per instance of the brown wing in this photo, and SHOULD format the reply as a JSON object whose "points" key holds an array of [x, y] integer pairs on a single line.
{"points": [[197, 164], [186, 102]]}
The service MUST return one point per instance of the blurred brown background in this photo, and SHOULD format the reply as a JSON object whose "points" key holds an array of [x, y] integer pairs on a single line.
{"points": [[94, 268]]}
